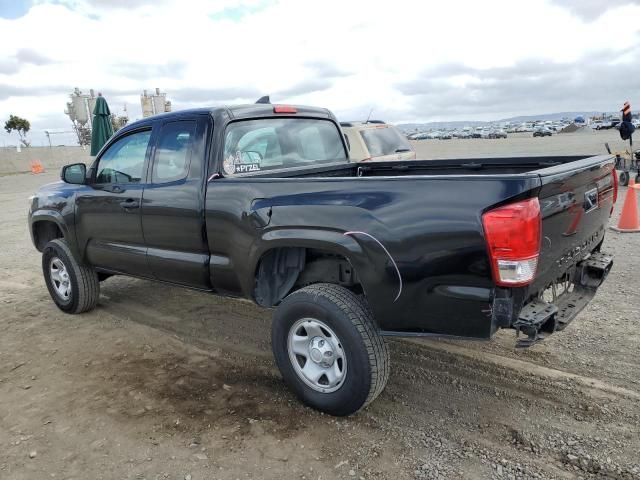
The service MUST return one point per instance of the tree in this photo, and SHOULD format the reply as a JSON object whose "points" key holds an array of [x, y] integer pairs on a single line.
{"points": [[20, 125], [118, 121]]}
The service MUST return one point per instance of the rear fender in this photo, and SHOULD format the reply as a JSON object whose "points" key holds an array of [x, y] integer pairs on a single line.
{"points": [[344, 244]]}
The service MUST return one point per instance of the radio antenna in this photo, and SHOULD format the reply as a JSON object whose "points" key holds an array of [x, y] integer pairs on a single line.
{"points": [[370, 112]]}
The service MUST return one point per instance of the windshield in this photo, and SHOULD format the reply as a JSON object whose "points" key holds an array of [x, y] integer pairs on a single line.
{"points": [[384, 141], [271, 143]]}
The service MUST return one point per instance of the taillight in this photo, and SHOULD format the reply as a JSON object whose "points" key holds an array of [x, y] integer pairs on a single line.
{"points": [[284, 109], [513, 233]]}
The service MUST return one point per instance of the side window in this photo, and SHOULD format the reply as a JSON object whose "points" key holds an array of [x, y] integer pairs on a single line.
{"points": [[173, 153], [123, 162]]}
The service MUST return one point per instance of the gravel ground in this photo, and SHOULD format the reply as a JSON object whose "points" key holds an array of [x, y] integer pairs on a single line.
{"points": [[165, 383]]}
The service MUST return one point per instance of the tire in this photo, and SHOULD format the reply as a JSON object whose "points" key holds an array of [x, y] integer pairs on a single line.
{"points": [[346, 325], [624, 179], [84, 287]]}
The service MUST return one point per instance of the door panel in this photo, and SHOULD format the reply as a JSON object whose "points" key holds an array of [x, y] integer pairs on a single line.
{"points": [[108, 213], [173, 205]]}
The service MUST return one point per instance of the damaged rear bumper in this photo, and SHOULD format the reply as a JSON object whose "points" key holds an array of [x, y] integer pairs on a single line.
{"points": [[540, 318]]}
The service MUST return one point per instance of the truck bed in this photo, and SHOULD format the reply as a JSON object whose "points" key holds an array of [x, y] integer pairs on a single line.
{"points": [[462, 166], [434, 278]]}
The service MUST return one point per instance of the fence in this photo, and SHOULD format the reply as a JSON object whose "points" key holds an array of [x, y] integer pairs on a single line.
{"points": [[51, 158]]}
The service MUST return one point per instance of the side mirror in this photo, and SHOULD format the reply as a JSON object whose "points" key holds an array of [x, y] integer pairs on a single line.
{"points": [[75, 173]]}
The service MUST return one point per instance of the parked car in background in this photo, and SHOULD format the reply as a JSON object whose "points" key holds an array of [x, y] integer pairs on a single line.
{"points": [[498, 134], [597, 125], [421, 136], [376, 140], [542, 132]]}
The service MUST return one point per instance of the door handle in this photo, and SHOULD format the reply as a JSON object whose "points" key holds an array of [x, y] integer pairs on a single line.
{"points": [[130, 203]]}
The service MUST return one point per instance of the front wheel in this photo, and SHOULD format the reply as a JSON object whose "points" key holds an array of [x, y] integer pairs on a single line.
{"points": [[328, 349], [73, 286]]}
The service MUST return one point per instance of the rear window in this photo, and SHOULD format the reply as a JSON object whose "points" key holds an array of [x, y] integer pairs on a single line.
{"points": [[272, 143], [384, 141]]}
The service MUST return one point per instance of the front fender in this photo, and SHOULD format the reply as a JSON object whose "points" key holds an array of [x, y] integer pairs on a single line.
{"points": [[56, 217]]}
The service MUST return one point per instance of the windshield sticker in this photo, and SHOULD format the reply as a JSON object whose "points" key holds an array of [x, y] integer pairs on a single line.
{"points": [[229, 165], [233, 164], [247, 167]]}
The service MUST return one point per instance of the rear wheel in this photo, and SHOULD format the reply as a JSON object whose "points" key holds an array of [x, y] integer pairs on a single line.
{"points": [[624, 178], [74, 287], [328, 349]]}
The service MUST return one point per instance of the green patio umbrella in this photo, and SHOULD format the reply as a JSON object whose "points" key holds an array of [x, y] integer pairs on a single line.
{"points": [[102, 128]]}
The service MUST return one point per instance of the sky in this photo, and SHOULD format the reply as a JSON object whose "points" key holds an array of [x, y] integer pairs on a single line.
{"points": [[409, 61]]}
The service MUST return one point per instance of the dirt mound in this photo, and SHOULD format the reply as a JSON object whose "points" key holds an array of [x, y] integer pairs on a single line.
{"points": [[576, 128]]}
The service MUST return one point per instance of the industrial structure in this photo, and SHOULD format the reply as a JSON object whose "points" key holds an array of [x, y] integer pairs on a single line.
{"points": [[154, 104], [79, 110]]}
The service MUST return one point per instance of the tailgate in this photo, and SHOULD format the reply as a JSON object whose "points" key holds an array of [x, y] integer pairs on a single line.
{"points": [[576, 200]]}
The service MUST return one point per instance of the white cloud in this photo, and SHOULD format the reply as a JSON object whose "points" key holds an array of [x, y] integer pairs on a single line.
{"points": [[347, 56]]}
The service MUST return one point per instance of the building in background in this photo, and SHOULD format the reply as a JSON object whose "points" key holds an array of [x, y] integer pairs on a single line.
{"points": [[154, 104]]}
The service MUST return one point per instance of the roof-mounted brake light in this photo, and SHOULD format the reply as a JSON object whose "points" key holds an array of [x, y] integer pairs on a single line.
{"points": [[284, 109]]}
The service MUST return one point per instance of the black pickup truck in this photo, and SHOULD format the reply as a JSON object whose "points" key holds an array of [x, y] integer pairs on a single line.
{"points": [[261, 202]]}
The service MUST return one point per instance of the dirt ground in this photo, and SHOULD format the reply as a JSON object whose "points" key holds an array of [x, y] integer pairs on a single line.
{"points": [[165, 383], [590, 142]]}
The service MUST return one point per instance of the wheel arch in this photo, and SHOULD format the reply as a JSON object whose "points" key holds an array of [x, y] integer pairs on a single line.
{"points": [[46, 227], [286, 261]]}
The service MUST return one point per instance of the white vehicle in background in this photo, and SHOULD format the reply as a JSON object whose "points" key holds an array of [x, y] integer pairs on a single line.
{"points": [[376, 140], [421, 136]]}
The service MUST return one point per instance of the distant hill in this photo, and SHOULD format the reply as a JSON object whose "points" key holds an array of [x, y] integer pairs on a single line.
{"points": [[552, 116], [519, 119]]}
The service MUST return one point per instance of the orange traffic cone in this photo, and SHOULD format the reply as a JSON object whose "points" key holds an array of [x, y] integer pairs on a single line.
{"points": [[629, 217], [36, 166]]}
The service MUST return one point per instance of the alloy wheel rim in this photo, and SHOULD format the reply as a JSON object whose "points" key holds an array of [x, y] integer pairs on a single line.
{"points": [[317, 355], [60, 278]]}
